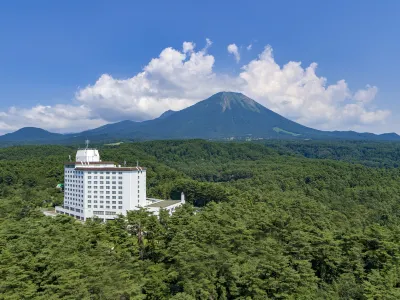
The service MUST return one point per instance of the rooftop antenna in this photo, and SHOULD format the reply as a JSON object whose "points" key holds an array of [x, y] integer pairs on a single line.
{"points": [[87, 144], [69, 157], [137, 163], [124, 163]]}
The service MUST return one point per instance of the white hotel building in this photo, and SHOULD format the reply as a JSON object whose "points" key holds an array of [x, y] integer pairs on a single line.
{"points": [[93, 188]]}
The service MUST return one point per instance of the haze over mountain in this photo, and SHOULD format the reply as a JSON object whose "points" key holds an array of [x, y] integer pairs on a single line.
{"points": [[225, 115]]}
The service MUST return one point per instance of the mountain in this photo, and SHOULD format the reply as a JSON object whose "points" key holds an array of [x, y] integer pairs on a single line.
{"points": [[225, 115], [31, 134], [166, 114]]}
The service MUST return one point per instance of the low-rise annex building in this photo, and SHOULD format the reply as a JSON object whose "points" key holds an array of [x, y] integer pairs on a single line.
{"points": [[93, 188]]}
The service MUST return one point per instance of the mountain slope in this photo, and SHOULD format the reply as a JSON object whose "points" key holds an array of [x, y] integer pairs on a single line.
{"points": [[224, 115], [29, 134], [227, 115], [166, 114]]}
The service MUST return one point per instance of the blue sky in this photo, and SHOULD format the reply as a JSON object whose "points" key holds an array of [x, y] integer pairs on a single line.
{"points": [[51, 51]]}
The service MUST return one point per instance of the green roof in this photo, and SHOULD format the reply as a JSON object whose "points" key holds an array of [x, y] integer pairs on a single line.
{"points": [[164, 203]]}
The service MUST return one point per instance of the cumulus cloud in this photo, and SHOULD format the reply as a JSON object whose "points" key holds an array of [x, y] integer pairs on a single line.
{"points": [[233, 49], [249, 47], [174, 80], [58, 118], [366, 95], [188, 47], [300, 94], [179, 78]]}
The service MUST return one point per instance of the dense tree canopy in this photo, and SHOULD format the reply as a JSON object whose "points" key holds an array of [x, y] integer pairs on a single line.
{"points": [[264, 221]]}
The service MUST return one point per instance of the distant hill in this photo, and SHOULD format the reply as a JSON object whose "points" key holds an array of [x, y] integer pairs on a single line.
{"points": [[225, 115], [31, 134]]}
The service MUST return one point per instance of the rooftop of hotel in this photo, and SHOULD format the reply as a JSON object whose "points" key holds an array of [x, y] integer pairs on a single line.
{"points": [[164, 203]]}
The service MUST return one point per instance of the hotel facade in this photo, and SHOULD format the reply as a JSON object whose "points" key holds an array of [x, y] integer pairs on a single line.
{"points": [[93, 188]]}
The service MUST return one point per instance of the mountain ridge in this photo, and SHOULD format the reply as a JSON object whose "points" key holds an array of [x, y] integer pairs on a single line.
{"points": [[225, 115]]}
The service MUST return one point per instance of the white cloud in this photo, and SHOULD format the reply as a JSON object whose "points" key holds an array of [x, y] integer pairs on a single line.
{"points": [[179, 78], [233, 49], [249, 47], [299, 94], [188, 47], [174, 81], [366, 95], [58, 118]]}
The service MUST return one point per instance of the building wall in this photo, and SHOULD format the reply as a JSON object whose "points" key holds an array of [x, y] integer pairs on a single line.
{"points": [[171, 209], [74, 191], [103, 193]]}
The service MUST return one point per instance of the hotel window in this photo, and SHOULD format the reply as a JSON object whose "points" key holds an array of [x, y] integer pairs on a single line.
{"points": [[101, 177], [114, 207], [114, 192], [107, 192], [119, 182], [101, 201], [101, 197], [119, 202], [114, 172], [120, 192], [89, 206], [119, 207], [101, 206], [114, 177], [114, 202], [119, 177], [120, 187], [114, 187], [89, 201], [119, 197], [95, 182], [114, 182], [95, 196], [95, 206], [114, 197], [107, 172], [120, 173], [107, 182], [108, 202], [89, 177], [89, 196], [108, 207], [101, 182], [107, 197]]}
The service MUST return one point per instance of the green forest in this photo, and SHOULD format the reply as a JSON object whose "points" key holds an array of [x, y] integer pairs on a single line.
{"points": [[264, 220]]}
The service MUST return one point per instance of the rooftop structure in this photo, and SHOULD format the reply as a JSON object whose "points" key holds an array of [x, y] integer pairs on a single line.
{"points": [[105, 189]]}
